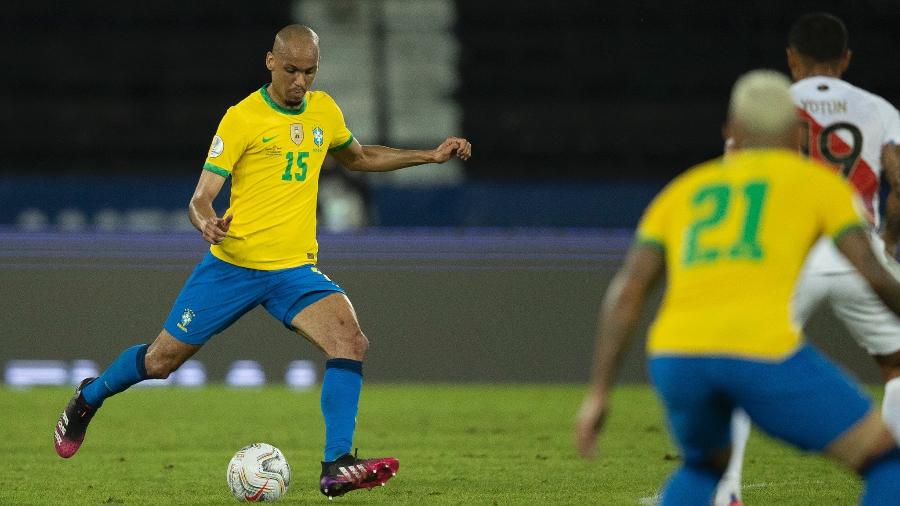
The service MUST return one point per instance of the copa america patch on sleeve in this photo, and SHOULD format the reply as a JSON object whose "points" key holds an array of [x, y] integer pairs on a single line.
{"points": [[217, 146]]}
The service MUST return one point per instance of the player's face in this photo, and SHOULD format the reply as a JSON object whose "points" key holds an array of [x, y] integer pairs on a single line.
{"points": [[293, 72]]}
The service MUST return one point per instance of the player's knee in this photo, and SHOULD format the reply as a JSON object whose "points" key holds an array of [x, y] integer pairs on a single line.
{"points": [[861, 444], [347, 343], [359, 344], [884, 446], [352, 345]]}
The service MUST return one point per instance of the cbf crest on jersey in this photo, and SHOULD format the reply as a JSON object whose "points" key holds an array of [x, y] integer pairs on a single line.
{"points": [[297, 133], [186, 318], [318, 136]]}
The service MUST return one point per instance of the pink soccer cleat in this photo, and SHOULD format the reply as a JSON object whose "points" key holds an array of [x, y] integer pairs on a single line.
{"points": [[349, 473], [73, 422]]}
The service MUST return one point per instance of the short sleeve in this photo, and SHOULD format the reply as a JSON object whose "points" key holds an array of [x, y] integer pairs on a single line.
{"points": [[654, 223], [228, 144], [841, 208], [342, 136]]}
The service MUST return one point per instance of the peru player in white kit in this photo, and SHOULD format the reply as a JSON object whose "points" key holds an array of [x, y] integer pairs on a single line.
{"points": [[853, 131], [857, 133]]}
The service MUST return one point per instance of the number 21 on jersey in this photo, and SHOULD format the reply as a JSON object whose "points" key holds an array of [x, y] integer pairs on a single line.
{"points": [[720, 199]]}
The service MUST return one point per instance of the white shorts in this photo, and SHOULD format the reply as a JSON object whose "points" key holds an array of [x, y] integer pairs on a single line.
{"points": [[871, 323]]}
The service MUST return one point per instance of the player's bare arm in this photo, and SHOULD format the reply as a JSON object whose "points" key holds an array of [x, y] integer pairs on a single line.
{"points": [[890, 161], [372, 158], [856, 247], [619, 315], [201, 211]]}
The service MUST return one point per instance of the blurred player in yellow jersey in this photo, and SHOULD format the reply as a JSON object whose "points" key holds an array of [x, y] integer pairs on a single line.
{"points": [[271, 145], [731, 236]]}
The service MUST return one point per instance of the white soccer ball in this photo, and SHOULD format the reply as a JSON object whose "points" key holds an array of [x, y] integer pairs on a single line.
{"points": [[257, 473]]}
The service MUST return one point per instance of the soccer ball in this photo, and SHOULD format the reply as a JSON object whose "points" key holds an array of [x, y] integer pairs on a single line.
{"points": [[257, 473]]}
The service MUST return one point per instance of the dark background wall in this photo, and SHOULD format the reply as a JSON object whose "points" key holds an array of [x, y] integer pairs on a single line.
{"points": [[573, 89], [125, 87], [632, 89], [438, 307]]}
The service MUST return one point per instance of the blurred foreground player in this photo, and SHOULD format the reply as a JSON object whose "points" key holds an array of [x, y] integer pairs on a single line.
{"points": [[857, 134], [264, 251], [732, 235]]}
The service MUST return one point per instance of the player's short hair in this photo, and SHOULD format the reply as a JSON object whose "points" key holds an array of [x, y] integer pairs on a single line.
{"points": [[761, 103], [820, 36]]}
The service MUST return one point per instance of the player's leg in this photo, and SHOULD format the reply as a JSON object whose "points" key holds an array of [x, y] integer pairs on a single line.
{"points": [[811, 291], [890, 407], [882, 479], [869, 448], [809, 402], [877, 330], [307, 301], [214, 296], [132, 366], [331, 324], [699, 418], [136, 364], [728, 492]]}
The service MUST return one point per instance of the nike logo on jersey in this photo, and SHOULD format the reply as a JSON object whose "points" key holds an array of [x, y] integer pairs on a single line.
{"points": [[267, 139]]}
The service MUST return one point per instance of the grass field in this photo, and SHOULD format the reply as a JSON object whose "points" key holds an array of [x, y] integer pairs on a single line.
{"points": [[456, 444]]}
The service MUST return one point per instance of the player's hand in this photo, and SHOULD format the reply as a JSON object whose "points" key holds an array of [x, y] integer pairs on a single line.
{"points": [[453, 145], [215, 229], [589, 423]]}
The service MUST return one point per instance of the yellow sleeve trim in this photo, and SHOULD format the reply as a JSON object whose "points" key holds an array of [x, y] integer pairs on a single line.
{"points": [[215, 169]]}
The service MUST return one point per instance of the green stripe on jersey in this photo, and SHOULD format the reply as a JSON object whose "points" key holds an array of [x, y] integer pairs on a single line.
{"points": [[650, 243], [215, 169], [342, 145], [837, 236]]}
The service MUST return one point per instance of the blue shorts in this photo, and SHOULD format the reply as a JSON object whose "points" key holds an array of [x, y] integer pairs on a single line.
{"points": [[804, 400], [218, 293]]}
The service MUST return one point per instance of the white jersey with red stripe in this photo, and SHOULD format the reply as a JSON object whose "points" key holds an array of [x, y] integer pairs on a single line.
{"points": [[848, 128]]}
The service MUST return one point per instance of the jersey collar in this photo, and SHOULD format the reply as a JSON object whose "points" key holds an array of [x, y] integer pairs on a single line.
{"points": [[283, 110]]}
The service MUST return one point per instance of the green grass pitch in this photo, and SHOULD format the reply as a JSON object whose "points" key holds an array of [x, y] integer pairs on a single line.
{"points": [[464, 444]]}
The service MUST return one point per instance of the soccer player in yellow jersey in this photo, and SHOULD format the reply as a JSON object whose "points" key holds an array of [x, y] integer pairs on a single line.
{"points": [[731, 236], [271, 146]]}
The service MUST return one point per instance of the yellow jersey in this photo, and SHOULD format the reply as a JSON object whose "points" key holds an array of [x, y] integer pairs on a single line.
{"points": [[735, 233], [273, 156]]}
